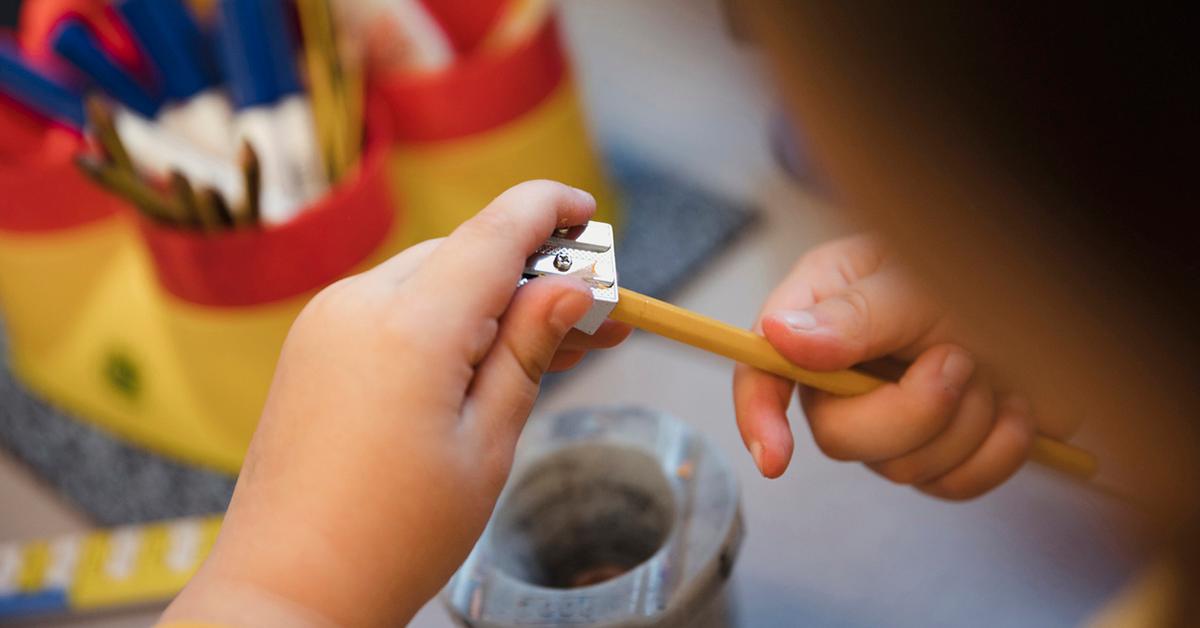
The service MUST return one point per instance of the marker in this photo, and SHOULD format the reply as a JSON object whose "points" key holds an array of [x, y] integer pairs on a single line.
{"points": [[272, 112], [182, 59], [75, 42], [42, 94]]}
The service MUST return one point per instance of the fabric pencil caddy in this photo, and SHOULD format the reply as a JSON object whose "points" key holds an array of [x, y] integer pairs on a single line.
{"points": [[162, 336], [493, 119]]}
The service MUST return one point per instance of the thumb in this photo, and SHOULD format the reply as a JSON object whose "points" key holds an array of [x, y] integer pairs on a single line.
{"points": [[506, 381], [878, 315]]}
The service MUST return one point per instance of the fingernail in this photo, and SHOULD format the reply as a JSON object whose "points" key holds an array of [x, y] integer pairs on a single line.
{"points": [[569, 308], [585, 195], [756, 451], [957, 369], [799, 320]]}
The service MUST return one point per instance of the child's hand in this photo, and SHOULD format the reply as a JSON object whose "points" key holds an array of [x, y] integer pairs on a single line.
{"points": [[390, 426], [942, 428]]}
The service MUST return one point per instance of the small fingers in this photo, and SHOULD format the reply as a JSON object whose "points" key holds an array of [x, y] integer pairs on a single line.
{"points": [[1001, 455], [962, 437], [894, 419], [506, 380], [475, 270], [760, 403], [877, 315]]}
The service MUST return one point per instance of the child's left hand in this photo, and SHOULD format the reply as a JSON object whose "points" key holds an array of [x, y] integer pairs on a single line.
{"points": [[390, 426]]}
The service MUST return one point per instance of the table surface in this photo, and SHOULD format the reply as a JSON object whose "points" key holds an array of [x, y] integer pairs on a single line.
{"points": [[829, 544]]}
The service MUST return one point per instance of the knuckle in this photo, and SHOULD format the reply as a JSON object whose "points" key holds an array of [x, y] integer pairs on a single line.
{"points": [[491, 222], [534, 191], [860, 307], [528, 359]]}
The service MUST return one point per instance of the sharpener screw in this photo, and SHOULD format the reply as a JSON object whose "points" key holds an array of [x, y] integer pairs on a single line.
{"points": [[562, 261]]}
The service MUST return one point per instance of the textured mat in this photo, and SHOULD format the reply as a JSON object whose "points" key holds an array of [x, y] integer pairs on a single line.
{"points": [[671, 229]]}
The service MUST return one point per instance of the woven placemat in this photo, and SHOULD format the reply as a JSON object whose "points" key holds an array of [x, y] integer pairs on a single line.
{"points": [[671, 228]]}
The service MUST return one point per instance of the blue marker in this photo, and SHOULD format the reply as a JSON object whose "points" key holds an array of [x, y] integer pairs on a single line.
{"points": [[258, 57], [257, 52], [181, 57], [75, 43], [47, 97]]}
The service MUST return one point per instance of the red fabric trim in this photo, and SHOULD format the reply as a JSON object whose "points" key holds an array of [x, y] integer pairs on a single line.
{"points": [[247, 267], [40, 188], [479, 93], [465, 23]]}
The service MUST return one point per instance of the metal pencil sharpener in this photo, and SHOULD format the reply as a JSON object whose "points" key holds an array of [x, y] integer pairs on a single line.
{"points": [[611, 517], [586, 252]]}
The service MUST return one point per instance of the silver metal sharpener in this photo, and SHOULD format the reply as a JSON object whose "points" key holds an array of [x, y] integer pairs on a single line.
{"points": [[586, 252]]}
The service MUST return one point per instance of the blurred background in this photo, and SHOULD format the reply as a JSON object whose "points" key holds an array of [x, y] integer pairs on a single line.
{"points": [[119, 405]]}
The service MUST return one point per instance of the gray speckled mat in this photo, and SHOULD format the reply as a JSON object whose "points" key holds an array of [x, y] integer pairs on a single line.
{"points": [[671, 228]]}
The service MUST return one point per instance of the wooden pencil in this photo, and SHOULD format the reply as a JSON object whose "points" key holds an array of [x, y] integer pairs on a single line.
{"points": [[746, 347], [214, 200], [100, 121], [320, 54], [126, 185], [181, 190], [250, 210]]}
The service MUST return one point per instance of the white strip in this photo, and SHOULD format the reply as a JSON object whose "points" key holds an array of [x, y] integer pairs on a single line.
{"points": [[64, 557], [123, 547], [183, 551]]}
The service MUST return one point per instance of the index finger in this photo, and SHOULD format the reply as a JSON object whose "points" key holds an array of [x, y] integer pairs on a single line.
{"points": [[476, 269]]}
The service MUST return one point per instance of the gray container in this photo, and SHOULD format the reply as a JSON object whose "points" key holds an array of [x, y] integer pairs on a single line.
{"points": [[611, 517]]}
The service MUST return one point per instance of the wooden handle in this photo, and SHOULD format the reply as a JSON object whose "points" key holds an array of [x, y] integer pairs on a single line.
{"points": [[747, 347]]}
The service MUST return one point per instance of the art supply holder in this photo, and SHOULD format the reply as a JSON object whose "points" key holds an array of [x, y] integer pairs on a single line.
{"points": [[167, 338], [494, 119]]}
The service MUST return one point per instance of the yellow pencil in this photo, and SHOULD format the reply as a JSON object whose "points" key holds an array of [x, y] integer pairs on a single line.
{"points": [[740, 345], [334, 85]]}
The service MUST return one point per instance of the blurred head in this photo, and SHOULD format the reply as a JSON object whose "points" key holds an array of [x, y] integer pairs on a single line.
{"points": [[1030, 164]]}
